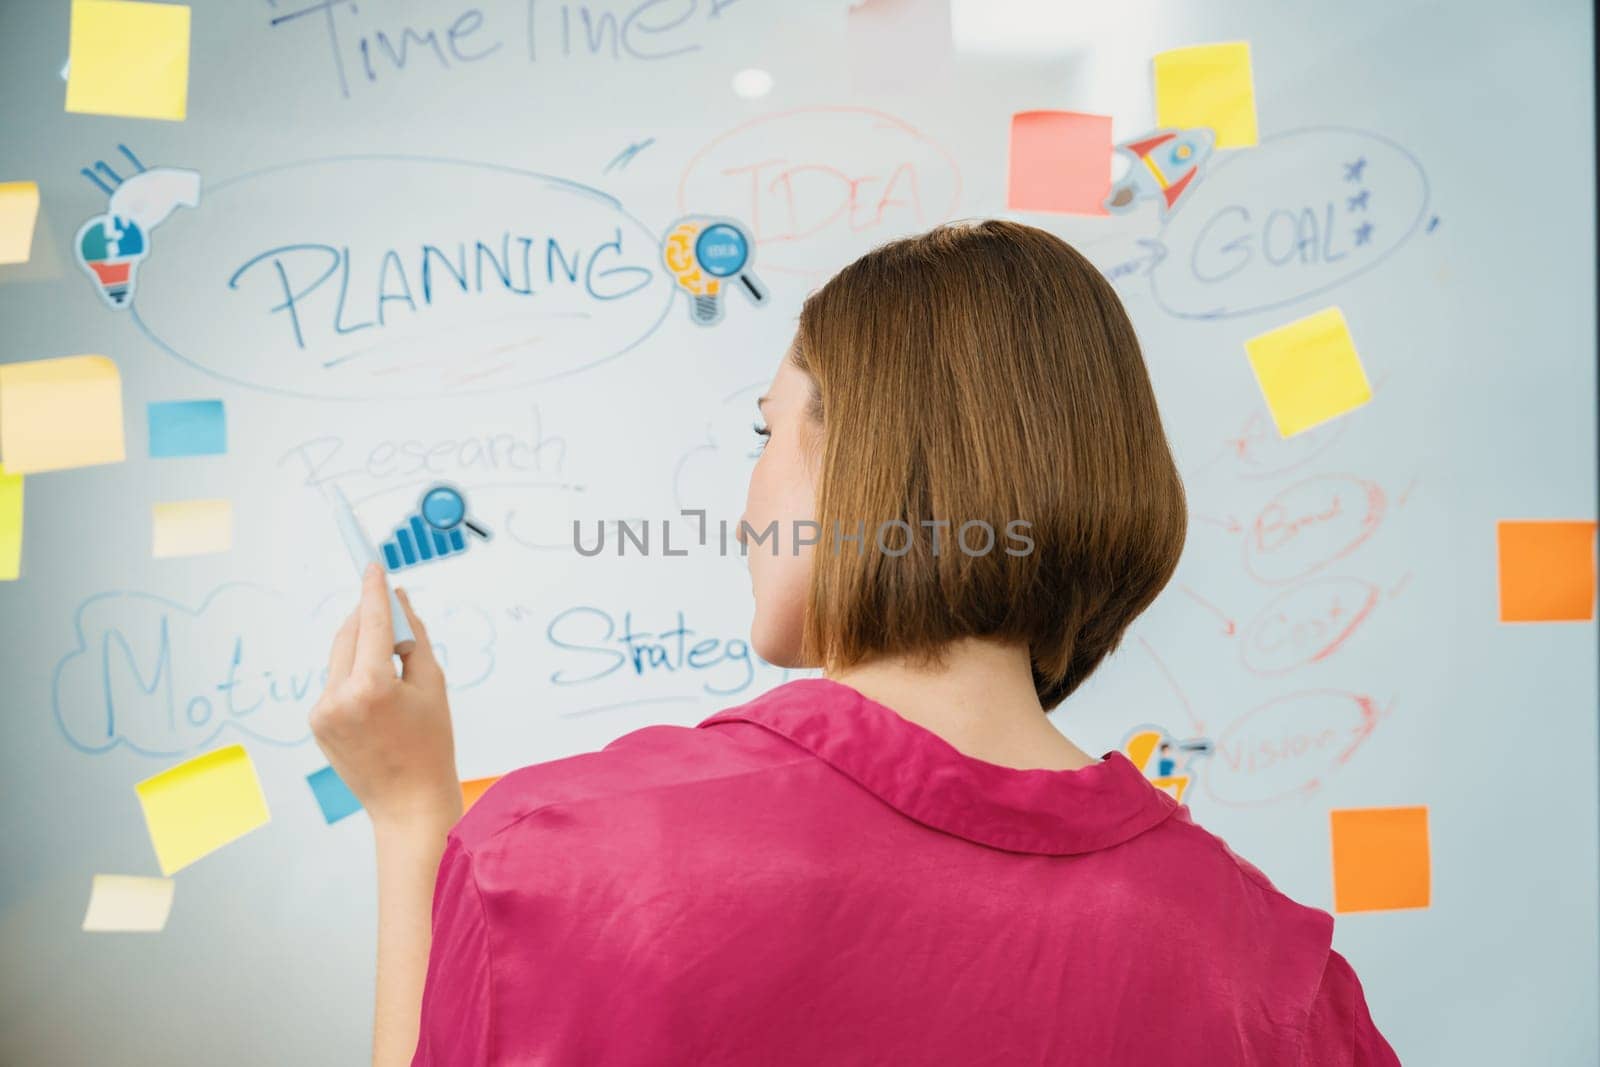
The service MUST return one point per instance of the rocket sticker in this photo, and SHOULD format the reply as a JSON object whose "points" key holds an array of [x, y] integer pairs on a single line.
{"points": [[1162, 167]]}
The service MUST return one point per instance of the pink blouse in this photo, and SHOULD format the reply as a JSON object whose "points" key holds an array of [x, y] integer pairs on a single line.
{"points": [[810, 878]]}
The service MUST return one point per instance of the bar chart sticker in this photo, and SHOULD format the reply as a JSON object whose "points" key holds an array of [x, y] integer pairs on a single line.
{"points": [[438, 528]]}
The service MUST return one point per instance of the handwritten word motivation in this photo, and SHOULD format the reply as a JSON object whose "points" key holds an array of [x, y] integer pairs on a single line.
{"points": [[596, 647], [164, 679], [1298, 214], [369, 276], [366, 49]]}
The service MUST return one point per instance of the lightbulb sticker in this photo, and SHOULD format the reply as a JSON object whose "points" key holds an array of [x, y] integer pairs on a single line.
{"points": [[706, 257], [111, 246]]}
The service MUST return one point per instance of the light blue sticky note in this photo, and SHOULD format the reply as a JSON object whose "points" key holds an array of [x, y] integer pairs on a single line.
{"points": [[187, 428], [333, 796]]}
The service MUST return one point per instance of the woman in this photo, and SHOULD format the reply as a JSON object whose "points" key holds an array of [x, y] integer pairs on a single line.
{"points": [[902, 861]]}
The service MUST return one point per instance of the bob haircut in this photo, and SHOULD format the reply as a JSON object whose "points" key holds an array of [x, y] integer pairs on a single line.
{"points": [[983, 372]]}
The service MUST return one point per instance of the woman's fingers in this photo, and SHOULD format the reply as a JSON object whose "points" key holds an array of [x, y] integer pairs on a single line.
{"points": [[420, 659], [344, 650], [375, 639]]}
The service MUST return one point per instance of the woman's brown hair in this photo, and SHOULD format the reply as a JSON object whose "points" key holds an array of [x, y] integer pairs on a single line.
{"points": [[983, 372]]}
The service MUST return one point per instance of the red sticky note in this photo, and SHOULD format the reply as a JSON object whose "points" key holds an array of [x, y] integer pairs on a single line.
{"points": [[1381, 859], [1060, 162], [1547, 571]]}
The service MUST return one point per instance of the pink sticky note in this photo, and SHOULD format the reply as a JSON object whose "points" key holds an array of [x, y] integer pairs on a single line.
{"points": [[1060, 161]]}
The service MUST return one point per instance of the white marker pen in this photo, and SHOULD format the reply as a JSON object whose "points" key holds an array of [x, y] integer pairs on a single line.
{"points": [[361, 554]]}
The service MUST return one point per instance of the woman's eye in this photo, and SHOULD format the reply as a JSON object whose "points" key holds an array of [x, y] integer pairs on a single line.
{"points": [[764, 433]]}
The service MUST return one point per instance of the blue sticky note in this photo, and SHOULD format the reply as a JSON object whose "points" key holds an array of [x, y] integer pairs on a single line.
{"points": [[187, 428], [333, 796]]}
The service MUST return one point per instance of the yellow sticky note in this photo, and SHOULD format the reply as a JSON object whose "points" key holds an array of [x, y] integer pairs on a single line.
{"points": [[195, 808], [129, 59], [191, 527], [1208, 85], [1309, 371], [57, 413], [1380, 859], [19, 210], [10, 525], [1547, 570], [127, 903]]}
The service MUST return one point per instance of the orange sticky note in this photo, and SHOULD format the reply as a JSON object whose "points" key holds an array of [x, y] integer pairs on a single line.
{"points": [[1208, 85], [1060, 162], [1547, 571], [474, 788], [1380, 858]]}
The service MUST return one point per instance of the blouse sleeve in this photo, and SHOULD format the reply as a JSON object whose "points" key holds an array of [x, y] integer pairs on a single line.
{"points": [[455, 1027], [1340, 1031]]}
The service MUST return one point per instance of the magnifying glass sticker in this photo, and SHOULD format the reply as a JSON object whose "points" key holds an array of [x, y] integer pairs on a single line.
{"points": [[723, 250], [444, 508]]}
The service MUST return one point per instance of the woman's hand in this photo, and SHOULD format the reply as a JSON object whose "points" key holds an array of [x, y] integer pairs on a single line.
{"points": [[389, 737]]}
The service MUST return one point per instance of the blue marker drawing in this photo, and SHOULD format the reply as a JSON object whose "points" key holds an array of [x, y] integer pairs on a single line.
{"points": [[187, 428], [433, 531], [1266, 228], [624, 157]]}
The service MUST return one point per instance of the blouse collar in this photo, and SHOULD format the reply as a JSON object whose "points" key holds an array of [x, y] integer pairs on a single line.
{"points": [[918, 772]]}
